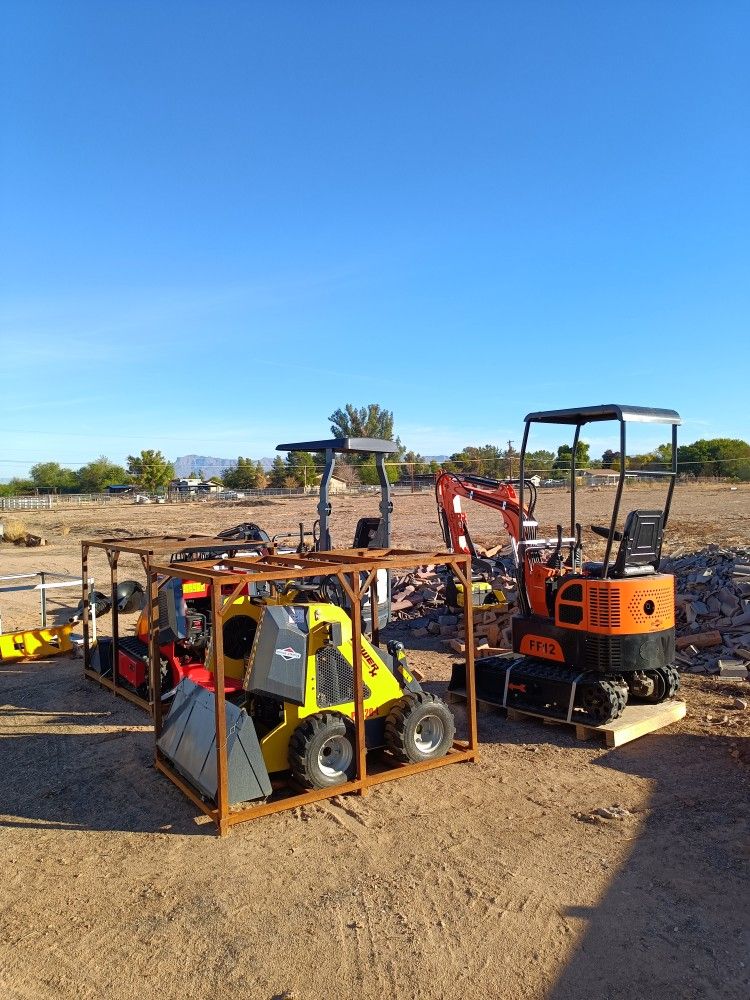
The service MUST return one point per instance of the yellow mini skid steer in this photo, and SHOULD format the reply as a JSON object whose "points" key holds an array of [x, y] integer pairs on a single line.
{"points": [[295, 709]]}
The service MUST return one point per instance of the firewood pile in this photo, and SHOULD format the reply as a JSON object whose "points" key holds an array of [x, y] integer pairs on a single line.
{"points": [[419, 599], [713, 610]]}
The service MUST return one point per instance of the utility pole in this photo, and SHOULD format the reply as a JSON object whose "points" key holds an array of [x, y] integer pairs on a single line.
{"points": [[510, 458]]}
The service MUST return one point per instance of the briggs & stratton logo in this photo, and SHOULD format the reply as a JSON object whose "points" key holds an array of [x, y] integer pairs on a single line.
{"points": [[288, 653]]}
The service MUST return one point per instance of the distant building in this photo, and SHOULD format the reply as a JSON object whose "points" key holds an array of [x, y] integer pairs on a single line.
{"points": [[122, 490], [601, 478], [193, 486]]}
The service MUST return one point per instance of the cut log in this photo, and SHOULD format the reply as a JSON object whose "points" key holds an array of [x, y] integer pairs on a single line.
{"points": [[701, 640]]}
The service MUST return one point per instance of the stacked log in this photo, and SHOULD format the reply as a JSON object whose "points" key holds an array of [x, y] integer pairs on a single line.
{"points": [[712, 610]]}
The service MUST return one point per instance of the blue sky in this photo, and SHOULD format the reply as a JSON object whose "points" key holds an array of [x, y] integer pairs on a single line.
{"points": [[222, 221]]}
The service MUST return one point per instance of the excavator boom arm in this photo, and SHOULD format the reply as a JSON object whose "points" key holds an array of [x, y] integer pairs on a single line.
{"points": [[451, 487]]}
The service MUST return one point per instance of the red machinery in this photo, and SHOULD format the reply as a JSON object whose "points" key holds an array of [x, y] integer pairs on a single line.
{"points": [[499, 495], [586, 635]]}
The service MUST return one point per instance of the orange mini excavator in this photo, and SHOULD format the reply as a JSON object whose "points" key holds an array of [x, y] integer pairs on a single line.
{"points": [[587, 635]]}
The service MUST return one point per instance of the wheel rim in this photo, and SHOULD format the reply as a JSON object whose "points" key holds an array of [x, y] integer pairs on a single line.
{"points": [[335, 756], [429, 733]]}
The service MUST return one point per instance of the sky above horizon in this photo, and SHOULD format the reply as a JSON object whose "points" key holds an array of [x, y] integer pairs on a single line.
{"points": [[221, 222]]}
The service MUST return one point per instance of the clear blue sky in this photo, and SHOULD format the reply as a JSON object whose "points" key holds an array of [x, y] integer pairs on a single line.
{"points": [[221, 221]]}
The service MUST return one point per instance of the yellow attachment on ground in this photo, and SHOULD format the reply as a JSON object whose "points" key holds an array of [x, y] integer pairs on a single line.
{"points": [[482, 594], [36, 643]]}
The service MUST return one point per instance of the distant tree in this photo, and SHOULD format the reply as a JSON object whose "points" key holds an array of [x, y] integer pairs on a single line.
{"points": [[51, 475], [412, 464], [539, 463], [301, 468], [17, 487], [609, 458], [246, 475], [486, 460], [150, 470], [663, 456], [367, 471], [561, 465], [278, 473], [96, 476], [367, 421], [729, 457], [638, 462]]}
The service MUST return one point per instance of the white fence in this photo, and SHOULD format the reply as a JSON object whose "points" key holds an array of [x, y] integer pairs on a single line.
{"points": [[48, 501]]}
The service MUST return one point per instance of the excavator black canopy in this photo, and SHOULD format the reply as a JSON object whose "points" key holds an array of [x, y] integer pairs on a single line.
{"points": [[640, 540]]}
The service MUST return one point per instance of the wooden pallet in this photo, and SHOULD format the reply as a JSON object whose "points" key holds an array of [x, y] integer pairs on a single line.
{"points": [[635, 721]]}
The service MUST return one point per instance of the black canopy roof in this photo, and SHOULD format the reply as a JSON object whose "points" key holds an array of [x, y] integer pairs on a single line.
{"points": [[361, 445], [606, 411]]}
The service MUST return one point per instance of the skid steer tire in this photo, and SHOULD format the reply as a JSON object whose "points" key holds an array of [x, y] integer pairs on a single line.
{"points": [[321, 751], [420, 726]]}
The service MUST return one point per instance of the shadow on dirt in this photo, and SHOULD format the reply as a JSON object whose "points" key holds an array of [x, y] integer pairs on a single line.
{"points": [[660, 930], [74, 758]]}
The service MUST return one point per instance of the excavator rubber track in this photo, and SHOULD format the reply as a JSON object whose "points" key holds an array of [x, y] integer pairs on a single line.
{"points": [[529, 685]]}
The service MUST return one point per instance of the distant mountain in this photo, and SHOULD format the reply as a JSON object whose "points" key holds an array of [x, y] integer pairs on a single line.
{"points": [[437, 458], [209, 465]]}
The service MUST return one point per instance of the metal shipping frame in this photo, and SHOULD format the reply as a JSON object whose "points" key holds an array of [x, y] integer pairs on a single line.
{"points": [[147, 547], [356, 570]]}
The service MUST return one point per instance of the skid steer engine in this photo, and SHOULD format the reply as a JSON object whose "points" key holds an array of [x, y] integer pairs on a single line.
{"points": [[298, 681]]}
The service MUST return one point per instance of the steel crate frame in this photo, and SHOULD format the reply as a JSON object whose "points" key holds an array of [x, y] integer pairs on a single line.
{"points": [[147, 547], [348, 566]]}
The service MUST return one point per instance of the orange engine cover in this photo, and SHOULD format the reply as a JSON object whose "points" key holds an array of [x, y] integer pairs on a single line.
{"points": [[630, 606]]}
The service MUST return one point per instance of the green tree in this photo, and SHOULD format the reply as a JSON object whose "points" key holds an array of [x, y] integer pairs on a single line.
{"points": [[96, 476], [150, 470], [486, 460], [561, 465], [610, 459], [539, 463], [367, 421], [367, 471], [278, 473], [301, 468], [246, 475], [715, 457], [17, 487], [51, 475]]}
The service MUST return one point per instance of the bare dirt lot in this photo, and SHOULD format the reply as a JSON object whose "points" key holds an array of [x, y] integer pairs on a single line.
{"points": [[485, 880]]}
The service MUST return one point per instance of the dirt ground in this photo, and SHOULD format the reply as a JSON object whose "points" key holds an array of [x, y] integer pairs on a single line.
{"points": [[487, 880]]}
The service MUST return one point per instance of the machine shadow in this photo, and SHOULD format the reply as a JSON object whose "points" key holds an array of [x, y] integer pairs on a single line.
{"points": [[660, 930], [75, 757]]}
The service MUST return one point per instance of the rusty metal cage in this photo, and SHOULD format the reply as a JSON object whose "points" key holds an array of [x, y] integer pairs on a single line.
{"points": [[356, 570], [148, 548]]}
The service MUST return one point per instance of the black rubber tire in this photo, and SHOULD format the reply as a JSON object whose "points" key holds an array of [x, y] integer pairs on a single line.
{"points": [[671, 677], [405, 722], [100, 603], [307, 745], [602, 702]]}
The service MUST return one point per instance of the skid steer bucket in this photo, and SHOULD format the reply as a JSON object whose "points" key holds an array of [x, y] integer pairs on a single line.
{"points": [[188, 740]]}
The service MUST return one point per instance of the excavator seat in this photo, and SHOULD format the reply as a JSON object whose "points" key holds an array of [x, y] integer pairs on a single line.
{"points": [[640, 547], [369, 534]]}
